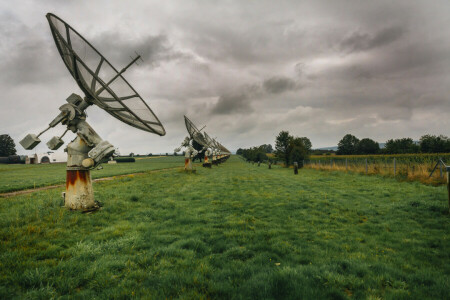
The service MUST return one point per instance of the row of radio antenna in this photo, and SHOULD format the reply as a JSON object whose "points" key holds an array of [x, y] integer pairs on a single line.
{"points": [[214, 152]]}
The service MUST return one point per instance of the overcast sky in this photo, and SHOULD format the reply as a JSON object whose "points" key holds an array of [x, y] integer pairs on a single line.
{"points": [[245, 69]]}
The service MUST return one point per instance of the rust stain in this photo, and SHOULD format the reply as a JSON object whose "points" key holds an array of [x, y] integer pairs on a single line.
{"points": [[76, 175]]}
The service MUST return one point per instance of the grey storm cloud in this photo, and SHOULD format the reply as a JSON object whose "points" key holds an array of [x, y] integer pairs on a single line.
{"points": [[362, 41], [276, 85], [246, 69], [240, 101], [154, 49]]}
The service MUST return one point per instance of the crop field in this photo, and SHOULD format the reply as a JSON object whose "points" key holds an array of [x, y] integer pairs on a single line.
{"points": [[407, 167], [236, 231], [19, 177]]}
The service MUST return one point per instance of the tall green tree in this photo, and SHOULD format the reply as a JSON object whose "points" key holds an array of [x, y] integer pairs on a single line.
{"points": [[7, 145], [267, 148], [347, 145], [298, 149], [434, 144], [306, 143], [282, 146], [367, 146], [401, 146]]}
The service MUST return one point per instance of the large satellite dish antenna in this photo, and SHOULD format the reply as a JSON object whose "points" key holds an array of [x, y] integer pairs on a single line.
{"points": [[104, 86], [197, 136], [100, 81]]}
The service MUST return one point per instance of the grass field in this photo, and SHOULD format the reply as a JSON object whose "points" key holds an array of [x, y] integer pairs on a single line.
{"points": [[236, 231], [19, 177]]}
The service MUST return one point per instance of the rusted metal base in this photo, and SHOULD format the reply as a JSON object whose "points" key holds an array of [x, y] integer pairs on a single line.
{"points": [[207, 164], [188, 164], [79, 193]]}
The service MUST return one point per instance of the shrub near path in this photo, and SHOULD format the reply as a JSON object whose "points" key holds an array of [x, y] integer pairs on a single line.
{"points": [[236, 231]]}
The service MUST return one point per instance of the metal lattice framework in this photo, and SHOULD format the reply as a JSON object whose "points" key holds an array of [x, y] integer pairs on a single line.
{"points": [[209, 140], [102, 84], [195, 134]]}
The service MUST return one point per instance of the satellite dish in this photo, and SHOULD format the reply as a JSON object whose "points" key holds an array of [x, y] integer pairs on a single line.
{"points": [[104, 86], [100, 81], [195, 134]]}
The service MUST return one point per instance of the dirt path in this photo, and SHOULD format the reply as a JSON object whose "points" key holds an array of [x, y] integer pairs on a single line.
{"points": [[28, 191]]}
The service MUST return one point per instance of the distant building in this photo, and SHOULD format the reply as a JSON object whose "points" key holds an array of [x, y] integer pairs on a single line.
{"points": [[51, 157], [42, 158]]}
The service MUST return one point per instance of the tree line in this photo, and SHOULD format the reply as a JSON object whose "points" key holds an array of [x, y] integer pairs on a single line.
{"points": [[256, 154], [288, 149], [351, 145]]}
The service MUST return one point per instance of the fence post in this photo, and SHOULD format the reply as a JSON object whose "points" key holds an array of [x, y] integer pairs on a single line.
{"points": [[295, 168], [346, 165], [270, 164], [259, 163], [440, 168], [448, 186], [395, 166], [366, 165]]}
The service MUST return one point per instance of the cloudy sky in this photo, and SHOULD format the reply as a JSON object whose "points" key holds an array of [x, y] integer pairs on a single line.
{"points": [[245, 69]]}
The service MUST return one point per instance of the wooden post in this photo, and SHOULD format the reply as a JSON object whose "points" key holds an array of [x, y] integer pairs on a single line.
{"points": [[295, 168], [366, 165], [395, 166], [270, 164], [331, 163], [448, 186], [259, 163], [346, 164], [440, 169]]}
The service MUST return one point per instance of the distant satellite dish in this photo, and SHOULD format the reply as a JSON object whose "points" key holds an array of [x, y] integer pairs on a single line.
{"points": [[104, 86], [100, 81]]}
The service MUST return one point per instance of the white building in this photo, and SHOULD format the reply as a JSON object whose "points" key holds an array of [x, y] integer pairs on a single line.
{"points": [[47, 158]]}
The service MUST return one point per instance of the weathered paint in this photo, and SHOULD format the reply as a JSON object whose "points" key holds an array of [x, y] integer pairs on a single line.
{"points": [[79, 194], [188, 164]]}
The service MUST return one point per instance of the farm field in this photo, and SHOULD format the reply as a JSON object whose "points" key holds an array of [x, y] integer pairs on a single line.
{"points": [[406, 167], [19, 177], [236, 231]]}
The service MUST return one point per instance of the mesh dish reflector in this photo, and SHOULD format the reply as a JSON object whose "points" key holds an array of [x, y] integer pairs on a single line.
{"points": [[195, 133], [93, 72], [209, 140]]}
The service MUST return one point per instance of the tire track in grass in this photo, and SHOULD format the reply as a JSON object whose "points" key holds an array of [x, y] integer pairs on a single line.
{"points": [[28, 191]]}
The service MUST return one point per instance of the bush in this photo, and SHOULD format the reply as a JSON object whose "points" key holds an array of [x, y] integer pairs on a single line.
{"points": [[125, 159]]}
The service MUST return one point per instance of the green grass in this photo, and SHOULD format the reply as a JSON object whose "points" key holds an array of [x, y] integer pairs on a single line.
{"points": [[19, 177], [236, 231]]}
